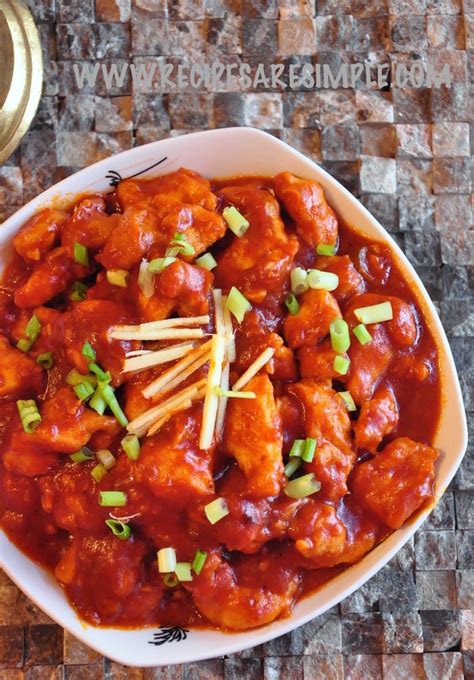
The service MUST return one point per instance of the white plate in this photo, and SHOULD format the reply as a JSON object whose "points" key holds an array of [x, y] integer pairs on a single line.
{"points": [[222, 153]]}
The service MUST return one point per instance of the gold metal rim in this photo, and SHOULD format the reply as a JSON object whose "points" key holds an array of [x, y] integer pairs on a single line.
{"points": [[21, 84]]}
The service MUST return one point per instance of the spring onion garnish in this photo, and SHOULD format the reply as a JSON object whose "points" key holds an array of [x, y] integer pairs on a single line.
{"points": [[321, 280], [233, 393], [131, 446], [292, 304], [84, 390], [111, 400], [33, 329], [157, 265], [292, 466], [348, 400], [207, 261], [146, 280], [112, 499], [326, 249], [45, 360], [29, 414], [341, 365], [88, 351], [106, 458], [170, 580], [166, 560], [216, 510], [119, 529], [102, 376], [198, 562], [98, 472], [82, 456], [78, 291], [179, 245], [183, 571], [98, 402], [309, 449], [374, 313], [362, 334], [76, 378], [32, 332], [24, 345], [118, 277], [302, 487], [236, 222], [297, 448], [237, 304], [299, 280], [81, 256], [340, 339]]}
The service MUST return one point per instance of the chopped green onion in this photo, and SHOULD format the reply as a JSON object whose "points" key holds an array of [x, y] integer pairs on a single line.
{"points": [[182, 245], [292, 304], [207, 261], [24, 345], [309, 449], [158, 264], [119, 529], [106, 458], [166, 560], [109, 396], [292, 466], [320, 280], [78, 291], [45, 360], [236, 222], [81, 256], [102, 376], [340, 339], [183, 571], [98, 402], [82, 456], [198, 562], [326, 249], [84, 390], [117, 277], [374, 313], [362, 334], [233, 393], [29, 414], [237, 304], [216, 510], [172, 252], [33, 329], [348, 400], [131, 446], [341, 365], [112, 499], [299, 280], [297, 448], [76, 378], [302, 487], [98, 472], [170, 580], [88, 351], [146, 280]]}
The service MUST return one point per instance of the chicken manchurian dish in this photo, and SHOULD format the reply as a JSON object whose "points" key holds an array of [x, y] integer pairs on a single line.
{"points": [[214, 398]]}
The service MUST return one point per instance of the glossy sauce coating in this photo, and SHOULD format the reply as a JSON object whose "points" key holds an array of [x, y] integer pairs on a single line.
{"points": [[375, 465]]}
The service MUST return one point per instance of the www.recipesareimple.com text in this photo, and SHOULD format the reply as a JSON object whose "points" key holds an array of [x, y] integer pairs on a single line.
{"points": [[162, 76]]}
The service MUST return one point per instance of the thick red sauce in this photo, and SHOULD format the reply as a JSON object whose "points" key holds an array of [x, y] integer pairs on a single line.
{"points": [[46, 499]]}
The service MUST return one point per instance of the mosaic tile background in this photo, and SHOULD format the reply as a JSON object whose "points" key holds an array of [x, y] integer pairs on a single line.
{"points": [[408, 155]]}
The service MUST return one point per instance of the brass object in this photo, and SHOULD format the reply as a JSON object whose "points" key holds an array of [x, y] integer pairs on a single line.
{"points": [[21, 74]]}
